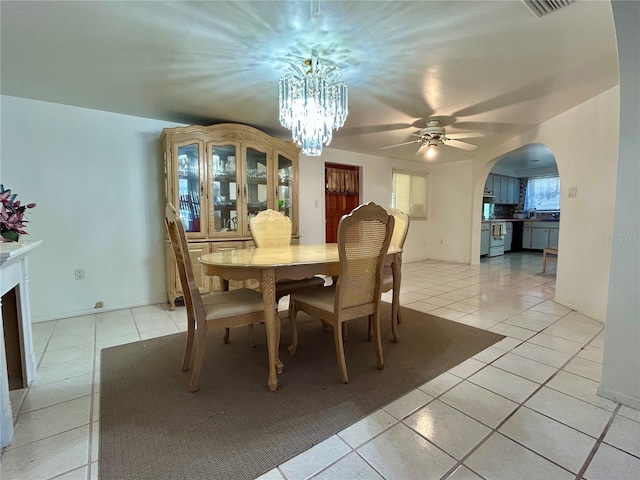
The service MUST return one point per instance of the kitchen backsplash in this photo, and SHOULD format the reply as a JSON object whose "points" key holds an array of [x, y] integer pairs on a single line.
{"points": [[501, 210]]}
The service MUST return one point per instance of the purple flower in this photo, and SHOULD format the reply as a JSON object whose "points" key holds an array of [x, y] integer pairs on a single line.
{"points": [[12, 212]]}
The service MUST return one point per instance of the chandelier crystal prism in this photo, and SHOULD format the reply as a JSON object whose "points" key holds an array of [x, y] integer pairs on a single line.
{"points": [[312, 104]]}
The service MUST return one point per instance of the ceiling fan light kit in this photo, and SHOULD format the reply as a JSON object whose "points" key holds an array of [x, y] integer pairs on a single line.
{"points": [[434, 135], [312, 103]]}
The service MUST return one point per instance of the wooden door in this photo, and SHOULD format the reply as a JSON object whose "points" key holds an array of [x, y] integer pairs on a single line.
{"points": [[338, 204]]}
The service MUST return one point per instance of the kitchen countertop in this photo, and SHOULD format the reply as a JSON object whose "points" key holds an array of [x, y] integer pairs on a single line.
{"points": [[519, 220]]}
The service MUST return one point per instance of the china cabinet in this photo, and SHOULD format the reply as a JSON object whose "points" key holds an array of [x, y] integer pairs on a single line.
{"points": [[218, 177]]}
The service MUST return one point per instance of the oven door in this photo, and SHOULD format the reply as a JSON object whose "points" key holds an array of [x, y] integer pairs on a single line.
{"points": [[496, 242]]}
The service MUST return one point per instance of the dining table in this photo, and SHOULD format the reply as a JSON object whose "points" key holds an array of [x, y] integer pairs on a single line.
{"points": [[268, 265]]}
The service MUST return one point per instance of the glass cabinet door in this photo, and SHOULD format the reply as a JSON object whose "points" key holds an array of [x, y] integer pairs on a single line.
{"points": [[256, 183], [224, 189], [285, 186], [190, 176]]}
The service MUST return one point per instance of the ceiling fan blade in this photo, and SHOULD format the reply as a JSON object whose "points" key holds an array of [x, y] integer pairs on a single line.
{"points": [[399, 144], [459, 144], [368, 129], [454, 136]]}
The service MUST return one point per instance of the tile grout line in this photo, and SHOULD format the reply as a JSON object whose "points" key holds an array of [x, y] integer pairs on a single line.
{"points": [[520, 405], [599, 441], [96, 351]]}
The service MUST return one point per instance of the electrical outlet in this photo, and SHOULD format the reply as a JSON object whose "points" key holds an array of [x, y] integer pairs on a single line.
{"points": [[99, 304], [79, 273], [573, 192]]}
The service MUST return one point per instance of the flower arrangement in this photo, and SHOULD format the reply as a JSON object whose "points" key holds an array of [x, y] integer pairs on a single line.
{"points": [[12, 222]]}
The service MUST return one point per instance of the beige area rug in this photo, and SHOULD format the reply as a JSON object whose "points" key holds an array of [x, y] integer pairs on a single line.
{"points": [[151, 427]]}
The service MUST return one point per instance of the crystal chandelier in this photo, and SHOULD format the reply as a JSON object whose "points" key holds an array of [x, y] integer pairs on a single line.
{"points": [[312, 105]]}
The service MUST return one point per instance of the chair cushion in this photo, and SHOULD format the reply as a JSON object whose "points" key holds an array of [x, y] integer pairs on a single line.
{"points": [[322, 298], [234, 302]]}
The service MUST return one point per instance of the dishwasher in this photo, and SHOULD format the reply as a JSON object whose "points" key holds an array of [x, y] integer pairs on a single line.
{"points": [[496, 243]]}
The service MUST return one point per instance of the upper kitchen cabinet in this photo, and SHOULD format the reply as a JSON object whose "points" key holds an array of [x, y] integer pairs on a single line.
{"points": [[220, 176], [506, 190]]}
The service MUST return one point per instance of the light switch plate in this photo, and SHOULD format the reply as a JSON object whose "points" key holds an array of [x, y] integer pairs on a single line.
{"points": [[573, 192]]}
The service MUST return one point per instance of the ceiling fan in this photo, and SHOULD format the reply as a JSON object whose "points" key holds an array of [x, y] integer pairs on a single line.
{"points": [[434, 135]]}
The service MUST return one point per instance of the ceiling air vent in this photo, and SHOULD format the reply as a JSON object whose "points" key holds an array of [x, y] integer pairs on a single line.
{"points": [[540, 8]]}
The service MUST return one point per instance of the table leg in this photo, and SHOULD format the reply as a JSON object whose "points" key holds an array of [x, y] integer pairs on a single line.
{"points": [[396, 267], [272, 326]]}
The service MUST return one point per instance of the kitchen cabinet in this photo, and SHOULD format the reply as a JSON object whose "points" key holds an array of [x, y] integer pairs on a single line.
{"points": [[218, 177], [540, 235], [485, 238], [505, 189], [539, 238], [508, 237], [526, 237], [488, 184], [553, 237]]}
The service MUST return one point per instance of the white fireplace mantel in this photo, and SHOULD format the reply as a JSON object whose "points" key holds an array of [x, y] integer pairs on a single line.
{"points": [[14, 273]]}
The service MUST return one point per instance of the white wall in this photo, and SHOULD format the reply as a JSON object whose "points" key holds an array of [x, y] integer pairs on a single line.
{"points": [[621, 368], [450, 191], [584, 141], [376, 187], [97, 179]]}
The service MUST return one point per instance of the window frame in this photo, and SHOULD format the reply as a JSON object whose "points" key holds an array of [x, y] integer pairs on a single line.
{"points": [[413, 196], [558, 197]]}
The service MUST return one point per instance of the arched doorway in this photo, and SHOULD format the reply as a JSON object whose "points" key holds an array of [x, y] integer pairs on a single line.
{"points": [[521, 192]]}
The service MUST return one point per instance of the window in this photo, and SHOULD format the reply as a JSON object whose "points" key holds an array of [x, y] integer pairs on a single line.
{"points": [[409, 193], [542, 194]]}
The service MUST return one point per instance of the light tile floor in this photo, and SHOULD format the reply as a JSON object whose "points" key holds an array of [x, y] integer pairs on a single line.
{"points": [[525, 408]]}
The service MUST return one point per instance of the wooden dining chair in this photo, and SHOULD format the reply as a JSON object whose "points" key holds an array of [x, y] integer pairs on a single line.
{"points": [[205, 312], [363, 240], [272, 229], [389, 281]]}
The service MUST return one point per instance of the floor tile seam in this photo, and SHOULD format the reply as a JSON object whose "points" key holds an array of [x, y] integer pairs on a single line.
{"points": [[46, 347], [32, 386], [495, 431], [59, 380], [514, 373], [538, 453], [96, 352], [476, 419], [597, 445], [326, 467], [58, 403], [431, 442], [464, 414], [542, 346], [13, 449], [459, 464], [60, 475], [393, 424], [544, 384], [56, 364], [56, 326], [566, 424]]}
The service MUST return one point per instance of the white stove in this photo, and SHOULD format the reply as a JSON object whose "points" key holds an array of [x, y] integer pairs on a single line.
{"points": [[496, 243]]}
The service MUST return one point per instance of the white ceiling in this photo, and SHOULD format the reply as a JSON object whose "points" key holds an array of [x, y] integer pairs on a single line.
{"points": [[487, 66]]}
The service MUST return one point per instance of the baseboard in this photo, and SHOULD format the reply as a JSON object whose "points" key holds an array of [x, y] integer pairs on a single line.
{"points": [[619, 397], [91, 311], [589, 313]]}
